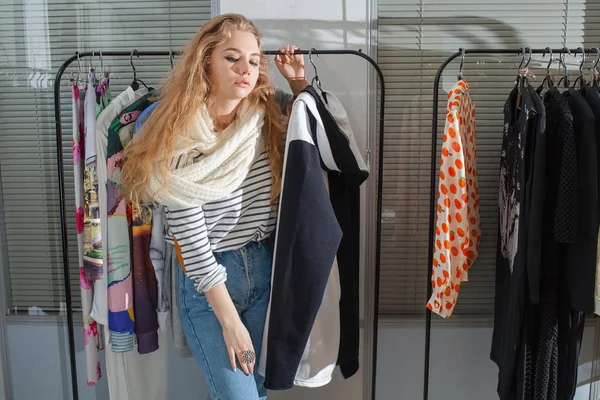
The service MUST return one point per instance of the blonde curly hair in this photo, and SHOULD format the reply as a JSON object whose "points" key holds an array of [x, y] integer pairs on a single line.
{"points": [[186, 87]]}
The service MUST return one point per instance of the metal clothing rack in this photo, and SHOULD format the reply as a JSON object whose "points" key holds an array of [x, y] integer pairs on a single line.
{"points": [[59, 157], [433, 191]]}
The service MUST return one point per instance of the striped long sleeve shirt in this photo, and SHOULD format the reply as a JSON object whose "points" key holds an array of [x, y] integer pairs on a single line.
{"points": [[227, 224]]}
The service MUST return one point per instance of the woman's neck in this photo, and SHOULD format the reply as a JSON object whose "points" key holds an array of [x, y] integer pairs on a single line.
{"points": [[223, 115]]}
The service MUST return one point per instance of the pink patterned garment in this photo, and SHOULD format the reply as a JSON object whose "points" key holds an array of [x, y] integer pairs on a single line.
{"points": [[91, 339]]}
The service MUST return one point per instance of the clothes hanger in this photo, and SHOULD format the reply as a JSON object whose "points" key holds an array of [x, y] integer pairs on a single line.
{"points": [[548, 79], [316, 77], [562, 62], [524, 71], [595, 73], [92, 69], [462, 63], [105, 71], [522, 74], [74, 78], [580, 78], [135, 85]]}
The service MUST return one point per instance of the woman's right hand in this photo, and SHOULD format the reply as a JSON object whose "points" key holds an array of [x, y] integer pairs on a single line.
{"points": [[237, 340]]}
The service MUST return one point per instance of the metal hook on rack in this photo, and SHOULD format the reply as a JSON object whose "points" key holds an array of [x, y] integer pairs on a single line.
{"points": [[133, 66], [549, 62], [597, 50], [523, 69], [583, 58], [316, 77], [77, 78], [562, 62], [580, 78], [530, 57], [92, 61], [135, 85], [522, 53], [462, 63], [595, 66]]}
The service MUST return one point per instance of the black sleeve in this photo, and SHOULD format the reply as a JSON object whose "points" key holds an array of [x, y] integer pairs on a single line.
{"points": [[537, 192], [582, 254], [308, 237], [565, 215]]}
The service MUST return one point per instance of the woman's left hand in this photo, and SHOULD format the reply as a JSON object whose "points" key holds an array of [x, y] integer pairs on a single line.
{"points": [[289, 64]]}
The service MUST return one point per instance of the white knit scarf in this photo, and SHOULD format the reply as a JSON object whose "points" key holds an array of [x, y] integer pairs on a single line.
{"points": [[214, 164]]}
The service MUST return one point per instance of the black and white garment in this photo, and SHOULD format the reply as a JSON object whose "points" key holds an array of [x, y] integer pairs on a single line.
{"points": [[510, 269], [313, 317]]}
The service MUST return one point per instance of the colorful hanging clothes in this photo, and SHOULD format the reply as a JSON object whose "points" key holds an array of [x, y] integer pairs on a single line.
{"points": [[96, 100], [458, 230], [87, 104], [121, 293], [103, 122], [92, 341]]}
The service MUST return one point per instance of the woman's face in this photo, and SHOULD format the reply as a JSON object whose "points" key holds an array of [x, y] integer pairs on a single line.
{"points": [[234, 67]]}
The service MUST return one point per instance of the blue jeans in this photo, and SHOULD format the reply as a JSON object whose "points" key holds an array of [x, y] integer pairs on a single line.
{"points": [[249, 285]]}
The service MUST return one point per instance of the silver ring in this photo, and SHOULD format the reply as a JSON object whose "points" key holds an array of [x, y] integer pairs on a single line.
{"points": [[248, 356]]}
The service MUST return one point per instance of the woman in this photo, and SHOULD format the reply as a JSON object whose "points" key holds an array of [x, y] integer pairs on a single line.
{"points": [[211, 153]]}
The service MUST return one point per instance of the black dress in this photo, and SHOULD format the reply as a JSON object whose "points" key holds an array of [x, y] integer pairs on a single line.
{"points": [[558, 229], [535, 166], [592, 96], [511, 281], [579, 267]]}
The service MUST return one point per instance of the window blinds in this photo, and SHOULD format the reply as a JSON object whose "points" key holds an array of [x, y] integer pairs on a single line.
{"points": [[414, 38], [36, 37]]}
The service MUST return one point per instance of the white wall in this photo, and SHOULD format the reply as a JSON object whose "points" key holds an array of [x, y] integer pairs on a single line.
{"points": [[460, 366]]}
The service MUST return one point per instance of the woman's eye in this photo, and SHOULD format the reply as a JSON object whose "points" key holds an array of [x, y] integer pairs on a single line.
{"points": [[254, 63], [231, 59]]}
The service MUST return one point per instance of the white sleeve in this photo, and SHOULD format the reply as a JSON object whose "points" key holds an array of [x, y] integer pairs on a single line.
{"points": [[190, 236]]}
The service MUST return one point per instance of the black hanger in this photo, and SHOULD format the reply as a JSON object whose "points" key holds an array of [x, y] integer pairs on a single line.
{"points": [[580, 77], [462, 63], [135, 85], [565, 78], [316, 77]]}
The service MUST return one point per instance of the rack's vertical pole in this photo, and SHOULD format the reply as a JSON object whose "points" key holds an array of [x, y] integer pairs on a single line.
{"points": [[378, 230], [63, 227]]}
